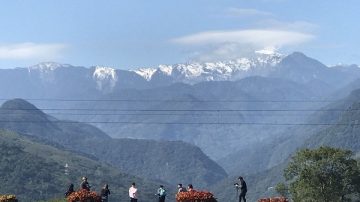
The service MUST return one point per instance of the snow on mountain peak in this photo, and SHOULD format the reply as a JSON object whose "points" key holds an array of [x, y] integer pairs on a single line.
{"points": [[269, 56], [166, 69], [45, 70], [267, 51], [46, 67], [105, 78], [216, 71], [145, 72]]}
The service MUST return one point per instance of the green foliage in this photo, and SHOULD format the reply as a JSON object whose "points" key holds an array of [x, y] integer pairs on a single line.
{"points": [[34, 171], [282, 189], [325, 174]]}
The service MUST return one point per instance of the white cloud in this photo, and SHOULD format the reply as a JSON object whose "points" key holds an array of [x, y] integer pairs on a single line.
{"points": [[247, 12], [31, 51], [222, 44], [254, 37], [299, 26]]}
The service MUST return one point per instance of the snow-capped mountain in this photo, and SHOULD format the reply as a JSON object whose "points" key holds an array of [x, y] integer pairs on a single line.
{"points": [[262, 63], [269, 76], [45, 70], [295, 67], [47, 66], [105, 77]]}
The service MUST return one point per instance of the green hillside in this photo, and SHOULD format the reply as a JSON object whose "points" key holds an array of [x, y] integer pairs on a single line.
{"points": [[169, 161], [34, 171]]}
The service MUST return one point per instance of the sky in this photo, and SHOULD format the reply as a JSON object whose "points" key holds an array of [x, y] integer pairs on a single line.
{"points": [[128, 34]]}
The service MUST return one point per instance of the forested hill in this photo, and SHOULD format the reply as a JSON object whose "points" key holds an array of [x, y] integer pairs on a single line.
{"points": [[345, 133], [35, 171], [170, 161]]}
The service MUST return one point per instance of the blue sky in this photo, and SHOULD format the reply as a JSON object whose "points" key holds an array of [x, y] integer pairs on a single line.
{"points": [[143, 33]]}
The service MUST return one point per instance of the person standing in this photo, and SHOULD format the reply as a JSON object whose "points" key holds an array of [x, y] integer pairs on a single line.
{"points": [[190, 188], [70, 190], [181, 188], [133, 193], [105, 192], [243, 189], [85, 184], [161, 192]]}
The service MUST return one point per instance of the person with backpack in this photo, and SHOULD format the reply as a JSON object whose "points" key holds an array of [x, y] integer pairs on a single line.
{"points": [[85, 184], [161, 192], [105, 192]]}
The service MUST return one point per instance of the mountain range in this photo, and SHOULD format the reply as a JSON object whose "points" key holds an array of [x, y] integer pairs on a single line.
{"points": [[142, 100], [249, 115]]}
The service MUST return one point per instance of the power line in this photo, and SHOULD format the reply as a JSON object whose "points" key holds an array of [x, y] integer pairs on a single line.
{"points": [[210, 114], [180, 110], [167, 100], [186, 123]]}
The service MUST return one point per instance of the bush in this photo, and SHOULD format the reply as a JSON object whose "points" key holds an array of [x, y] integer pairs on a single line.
{"points": [[83, 196], [195, 196], [8, 198], [274, 199]]}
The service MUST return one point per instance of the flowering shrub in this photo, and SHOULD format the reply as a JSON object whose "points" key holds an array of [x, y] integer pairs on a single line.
{"points": [[195, 196], [274, 199], [83, 196], [8, 198]]}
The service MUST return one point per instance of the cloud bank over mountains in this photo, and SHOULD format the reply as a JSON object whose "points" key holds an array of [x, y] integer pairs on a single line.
{"points": [[230, 44], [259, 30]]}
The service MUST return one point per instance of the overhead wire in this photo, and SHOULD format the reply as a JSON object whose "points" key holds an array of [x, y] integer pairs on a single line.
{"points": [[171, 112]]}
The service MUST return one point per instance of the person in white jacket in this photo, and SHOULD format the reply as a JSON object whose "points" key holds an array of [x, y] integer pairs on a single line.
{"points": [[133, 193]]}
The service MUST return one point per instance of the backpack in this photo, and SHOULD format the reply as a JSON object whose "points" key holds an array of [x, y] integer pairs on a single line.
{"points": [[162, 192]]}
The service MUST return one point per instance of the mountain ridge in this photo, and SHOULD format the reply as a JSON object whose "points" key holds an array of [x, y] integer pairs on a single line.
{"points": [[262, 64], [148, 157]]}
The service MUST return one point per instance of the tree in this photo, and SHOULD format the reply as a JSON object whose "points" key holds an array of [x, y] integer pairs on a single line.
{"points": [[282, 189], [324, 174]]}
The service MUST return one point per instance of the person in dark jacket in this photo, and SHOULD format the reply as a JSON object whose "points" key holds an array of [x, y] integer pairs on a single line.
{"points": [[85, 184], [70, 190], [105, 192], [243, 189], [161, 192], [181, 188]]}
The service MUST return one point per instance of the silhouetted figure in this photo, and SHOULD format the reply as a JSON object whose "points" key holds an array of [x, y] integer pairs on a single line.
{"points": [[181, 188], [105, 192], [70, 190], [85, 184], [161, 192], [243, 189]]}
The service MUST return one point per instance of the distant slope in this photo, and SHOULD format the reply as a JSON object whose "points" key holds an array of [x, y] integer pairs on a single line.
{"points": [[259, 184], [346, 134], [170, 161], [35, 171], [278, 149], [173, 162]]}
